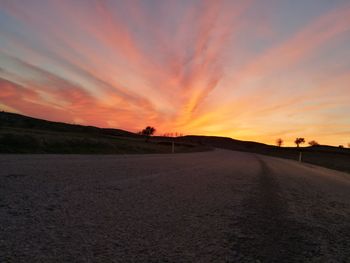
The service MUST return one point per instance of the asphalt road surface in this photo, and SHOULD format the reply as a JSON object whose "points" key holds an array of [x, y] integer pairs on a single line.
{"points": [[220, 206]]}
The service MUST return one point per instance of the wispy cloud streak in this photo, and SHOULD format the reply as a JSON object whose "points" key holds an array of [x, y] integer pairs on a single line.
{"points": [[178, 65]]}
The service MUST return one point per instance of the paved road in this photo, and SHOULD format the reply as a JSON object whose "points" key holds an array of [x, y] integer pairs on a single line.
{"points": [[219, 206]]}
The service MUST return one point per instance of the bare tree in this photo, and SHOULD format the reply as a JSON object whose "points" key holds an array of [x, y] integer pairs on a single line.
{"points": [[313, 143], [279, 142], [299, 141]]}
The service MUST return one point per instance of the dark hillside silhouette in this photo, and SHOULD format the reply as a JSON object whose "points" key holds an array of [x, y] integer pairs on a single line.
{"points": [[15, 120], [22, 134]]}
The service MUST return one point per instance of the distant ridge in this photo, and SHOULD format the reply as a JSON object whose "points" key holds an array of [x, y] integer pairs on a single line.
{"points": [[226, 142], [251, 146], [14, 120], [23, 134]]}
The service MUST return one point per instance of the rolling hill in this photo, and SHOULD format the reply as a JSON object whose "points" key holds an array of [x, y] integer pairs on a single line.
{"points": [[23, 134]]}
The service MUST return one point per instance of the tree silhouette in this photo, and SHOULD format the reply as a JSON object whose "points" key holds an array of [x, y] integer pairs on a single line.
{"points": [[148, 131], [313, 143], [279, 142], [299, 141]]}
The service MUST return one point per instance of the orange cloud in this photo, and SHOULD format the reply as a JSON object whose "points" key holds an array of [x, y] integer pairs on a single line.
{"points": [[128, 68]]}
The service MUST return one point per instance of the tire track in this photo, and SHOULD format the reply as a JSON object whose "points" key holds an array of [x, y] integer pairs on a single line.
{"points": [[265, 231]]}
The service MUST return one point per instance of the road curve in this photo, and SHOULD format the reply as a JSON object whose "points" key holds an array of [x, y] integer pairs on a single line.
{"points": [[220, 206]]}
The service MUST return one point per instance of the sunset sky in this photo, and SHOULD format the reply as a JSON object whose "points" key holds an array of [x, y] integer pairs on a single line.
{"points": [[251, 70]]}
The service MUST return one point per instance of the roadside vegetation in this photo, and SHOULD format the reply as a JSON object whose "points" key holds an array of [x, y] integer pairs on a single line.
{"points": [[22, 134]]}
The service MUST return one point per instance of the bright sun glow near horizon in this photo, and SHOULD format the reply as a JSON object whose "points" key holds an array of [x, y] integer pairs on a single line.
{"points": [[251, 70]]}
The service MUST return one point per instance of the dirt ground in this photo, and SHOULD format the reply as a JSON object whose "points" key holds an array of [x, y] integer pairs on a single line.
{"points": [[219, 206]]}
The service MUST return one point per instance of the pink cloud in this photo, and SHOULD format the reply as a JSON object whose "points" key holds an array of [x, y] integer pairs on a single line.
{"points": [[103, 71]]}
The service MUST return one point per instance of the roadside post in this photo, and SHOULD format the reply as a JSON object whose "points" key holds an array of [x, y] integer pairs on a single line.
{"points": [[172, 147], [300, 157]]}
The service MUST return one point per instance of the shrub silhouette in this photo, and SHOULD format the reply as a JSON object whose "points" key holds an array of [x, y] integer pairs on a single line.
{"points": [[313, 143], [299, 141]]}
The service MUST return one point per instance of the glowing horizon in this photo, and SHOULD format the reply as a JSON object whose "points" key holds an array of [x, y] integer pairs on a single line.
{"points": [[250, 70]]}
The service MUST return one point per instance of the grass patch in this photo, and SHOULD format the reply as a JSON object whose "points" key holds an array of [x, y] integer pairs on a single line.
{"points": [[30, 141]]}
